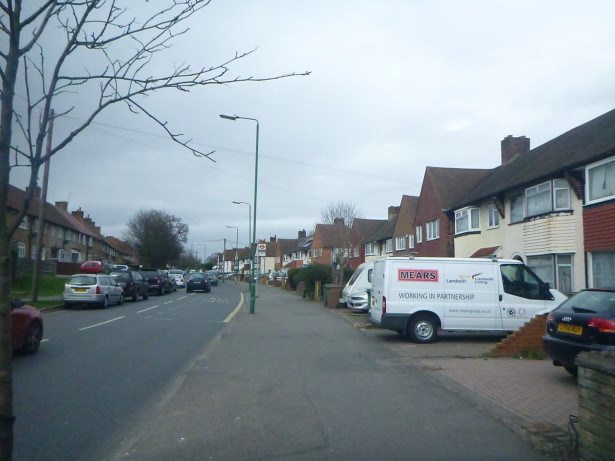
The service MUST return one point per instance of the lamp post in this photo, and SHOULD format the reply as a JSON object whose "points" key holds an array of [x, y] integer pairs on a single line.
{"points": [[249, 218], [253, 242]]}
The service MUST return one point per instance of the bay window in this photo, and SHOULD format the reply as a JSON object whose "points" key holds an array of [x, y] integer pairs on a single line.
{"points": [[466, 220], [600, 181]]}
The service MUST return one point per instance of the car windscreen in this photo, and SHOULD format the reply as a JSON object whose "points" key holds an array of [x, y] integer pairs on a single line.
{"points": [[197, 277], [593, 302], [149, 274], [176, 272], [355, 276], [82, 280]]}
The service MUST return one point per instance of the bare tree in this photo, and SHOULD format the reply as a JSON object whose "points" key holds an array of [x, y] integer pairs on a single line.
{"points": [[340, 217], [41, 41], [157, 237]]}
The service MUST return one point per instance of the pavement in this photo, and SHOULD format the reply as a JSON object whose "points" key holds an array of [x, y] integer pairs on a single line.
{"points": [[299, 381]]}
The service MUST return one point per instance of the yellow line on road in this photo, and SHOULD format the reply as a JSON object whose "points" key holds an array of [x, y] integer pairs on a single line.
{"points": [[232, 314]]}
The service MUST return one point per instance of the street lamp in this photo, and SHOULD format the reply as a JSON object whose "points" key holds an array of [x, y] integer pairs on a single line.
{"points": [[253, 242], [249, 218]]}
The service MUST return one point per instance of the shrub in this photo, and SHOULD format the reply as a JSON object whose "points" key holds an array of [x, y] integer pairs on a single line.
{"points": [[292, 273], [311, 274]]}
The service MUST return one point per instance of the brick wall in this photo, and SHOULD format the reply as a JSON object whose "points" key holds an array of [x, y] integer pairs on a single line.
{"points": [[596, 405], [527, 338], [429, 209], [599, 227]]}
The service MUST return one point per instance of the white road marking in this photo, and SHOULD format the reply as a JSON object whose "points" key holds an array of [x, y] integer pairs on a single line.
{"points": [[102, 323], [168, 302], [149, 308]]}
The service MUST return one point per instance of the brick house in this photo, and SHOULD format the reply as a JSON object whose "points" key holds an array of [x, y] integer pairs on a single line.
{"points": [[380, 241], [434, 225], [360, 234], [551, 207], [403, 234], [330, 241]]}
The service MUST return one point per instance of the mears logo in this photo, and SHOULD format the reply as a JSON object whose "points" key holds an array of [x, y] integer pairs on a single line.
{"points": [[417, 275]]}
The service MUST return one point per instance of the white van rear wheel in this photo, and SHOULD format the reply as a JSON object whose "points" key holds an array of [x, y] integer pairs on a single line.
{"points": [[422, 329]]}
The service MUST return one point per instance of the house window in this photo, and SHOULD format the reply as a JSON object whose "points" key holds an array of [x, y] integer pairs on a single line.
{"points": [[494, 216], [538, 199], [467, 220], [355, 252], [602, 269], [561, 195], [370, 250], [555, 269], [410, 241], [516, 208], [21, 250], [24, 223], [433, 230], [600, 183], [389, 246], [419, 234], [400, 243]]}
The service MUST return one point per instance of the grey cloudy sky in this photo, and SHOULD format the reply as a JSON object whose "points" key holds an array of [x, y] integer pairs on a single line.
{"points": [[395, 86]]}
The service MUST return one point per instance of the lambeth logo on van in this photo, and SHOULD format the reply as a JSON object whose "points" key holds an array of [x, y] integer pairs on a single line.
{"points": [[417, 275]]}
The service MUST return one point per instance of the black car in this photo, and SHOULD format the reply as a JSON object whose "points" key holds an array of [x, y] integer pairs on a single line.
{"points": [[584, 322], [132, 283], [198, 281], [157, 280]]}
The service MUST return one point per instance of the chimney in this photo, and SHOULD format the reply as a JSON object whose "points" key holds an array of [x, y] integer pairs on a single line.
{"points": [[62, 206], [338, 221], [393, 212], [513, 146], [273, 239], [301, 234], [78, 213]]}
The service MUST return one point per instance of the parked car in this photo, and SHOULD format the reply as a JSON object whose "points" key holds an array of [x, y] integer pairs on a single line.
{"points": [[584, 322], [198, 281], [26, 327], [157, 280], [213, 278], [132, 283], [99, 289], [178, 276], [92, 267]]}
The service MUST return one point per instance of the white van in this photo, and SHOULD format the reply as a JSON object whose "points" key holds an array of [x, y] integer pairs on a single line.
{"points": [[419, 296], [354, 294]]}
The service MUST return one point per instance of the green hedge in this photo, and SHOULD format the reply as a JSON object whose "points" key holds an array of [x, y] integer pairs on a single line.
{"points": [[311, 274]]}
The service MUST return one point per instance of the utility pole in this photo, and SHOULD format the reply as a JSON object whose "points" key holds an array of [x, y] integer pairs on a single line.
{"points": [[41, 215]]}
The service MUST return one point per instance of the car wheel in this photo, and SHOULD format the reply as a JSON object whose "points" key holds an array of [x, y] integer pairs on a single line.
{"points": [[33, 338], [188, 291], [422, 329], [574, 371], [135, 295], [146, 295], [161, 291], [121, 300], [208, 290], [105, 303]]}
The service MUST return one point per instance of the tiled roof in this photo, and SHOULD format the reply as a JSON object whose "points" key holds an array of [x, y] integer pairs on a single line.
{"points": [[580, 146], [452, 184], [365, 228]]}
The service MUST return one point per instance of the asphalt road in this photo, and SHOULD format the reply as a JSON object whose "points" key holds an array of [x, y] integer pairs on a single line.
{"points": [[97, 369]]}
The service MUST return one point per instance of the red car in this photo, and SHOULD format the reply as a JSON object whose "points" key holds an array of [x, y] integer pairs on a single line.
{"points": [[27, 327], [92, 267]]}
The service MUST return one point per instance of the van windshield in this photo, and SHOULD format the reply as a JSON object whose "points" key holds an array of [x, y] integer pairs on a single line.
{"points": [[520, 281], [355, 276]]}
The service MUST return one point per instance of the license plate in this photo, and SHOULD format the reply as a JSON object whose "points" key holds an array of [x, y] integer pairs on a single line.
{"points": [[80, 290], [572, 329]]}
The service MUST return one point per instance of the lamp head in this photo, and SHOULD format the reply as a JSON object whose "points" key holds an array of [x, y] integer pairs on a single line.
{"points": [[228, 117]]}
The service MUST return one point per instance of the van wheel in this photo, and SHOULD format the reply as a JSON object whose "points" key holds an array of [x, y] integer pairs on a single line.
{"points": [[422, 329], [573, 370]]}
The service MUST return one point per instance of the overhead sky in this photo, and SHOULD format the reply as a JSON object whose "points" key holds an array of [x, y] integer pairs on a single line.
{"points": [[395, 86]]}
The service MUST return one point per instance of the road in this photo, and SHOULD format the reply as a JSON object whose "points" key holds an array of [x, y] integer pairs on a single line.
{"points": [[99, 369]]}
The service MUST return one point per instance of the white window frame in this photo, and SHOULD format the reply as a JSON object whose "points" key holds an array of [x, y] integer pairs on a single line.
{"points": [[410, 241], [370, 249], [419, 234], [494, 216], [24, 223], [388, 246], [355, 252], [433, 230], [21, 249], [471, 215], [400, 243], [590, 171], [538, 193]]}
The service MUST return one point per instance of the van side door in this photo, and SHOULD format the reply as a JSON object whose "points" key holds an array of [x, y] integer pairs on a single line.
{"points": [[522, 296]]}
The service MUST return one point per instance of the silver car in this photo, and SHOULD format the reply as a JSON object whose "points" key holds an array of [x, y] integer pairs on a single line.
{"points": [[99, 289]]}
